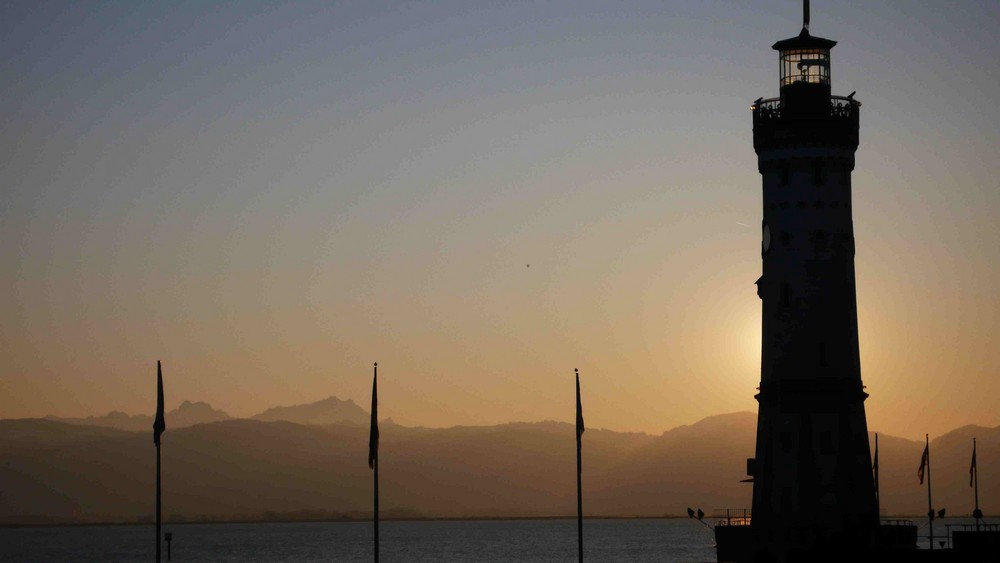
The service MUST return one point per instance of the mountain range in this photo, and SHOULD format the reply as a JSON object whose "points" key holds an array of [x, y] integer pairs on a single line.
{"points": [[327, 411], [263, 468]]}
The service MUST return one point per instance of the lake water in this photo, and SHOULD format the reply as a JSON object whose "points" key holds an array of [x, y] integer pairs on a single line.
{"points": [[641, 540], [412, 542]]}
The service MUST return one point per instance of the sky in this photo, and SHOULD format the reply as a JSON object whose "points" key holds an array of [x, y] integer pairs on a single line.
{"points": [[480, 197]]}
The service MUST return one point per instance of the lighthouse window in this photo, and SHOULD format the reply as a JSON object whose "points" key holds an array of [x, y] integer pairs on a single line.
{"points": [[826, 442], [818, 172], [819, 239], [786, 499], [783, 169], [805, 65]]}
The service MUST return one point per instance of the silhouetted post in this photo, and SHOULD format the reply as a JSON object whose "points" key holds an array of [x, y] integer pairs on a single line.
{"points": [[579, 467], [373, 451], [157, 503], [159, 426], [878, 504], [974, 470], [930, 507], [169, 537]]}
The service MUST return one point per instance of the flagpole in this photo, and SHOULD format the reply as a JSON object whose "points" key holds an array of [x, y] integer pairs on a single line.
{"points": [[878, 503], [930, 507], [374, 454], [579, 469], [159, 426], [975, 465], [157, 502]]}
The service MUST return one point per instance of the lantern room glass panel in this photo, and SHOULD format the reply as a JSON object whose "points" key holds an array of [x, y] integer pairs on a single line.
{"points": [[811, 66]]}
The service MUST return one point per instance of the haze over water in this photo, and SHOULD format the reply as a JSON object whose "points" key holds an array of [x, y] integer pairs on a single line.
{"points": [[481, 198]]}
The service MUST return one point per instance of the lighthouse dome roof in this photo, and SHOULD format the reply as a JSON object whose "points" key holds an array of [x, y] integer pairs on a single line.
{"points": [[804, 41]]}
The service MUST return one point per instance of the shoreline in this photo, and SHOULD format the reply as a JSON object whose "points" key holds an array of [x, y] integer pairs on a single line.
{"points": [[348, 519], [334, 520]]}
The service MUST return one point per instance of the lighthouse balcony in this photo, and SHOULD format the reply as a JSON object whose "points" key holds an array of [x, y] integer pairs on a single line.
{"points": [[787, 122]]}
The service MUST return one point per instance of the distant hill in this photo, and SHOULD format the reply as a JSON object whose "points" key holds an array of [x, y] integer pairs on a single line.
{"points": [[187, 414], [328, 411], [114, 419], [699, 465], [57, 472]]}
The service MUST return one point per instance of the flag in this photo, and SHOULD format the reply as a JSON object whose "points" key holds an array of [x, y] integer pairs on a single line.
{"points": [[923, 463], [579, 409], [875, 464], [373, 435], [972, 468], [875, 461], [159, 425]]}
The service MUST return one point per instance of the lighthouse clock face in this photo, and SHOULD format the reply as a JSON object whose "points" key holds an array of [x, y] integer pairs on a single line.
{"points": [[766, 238]]}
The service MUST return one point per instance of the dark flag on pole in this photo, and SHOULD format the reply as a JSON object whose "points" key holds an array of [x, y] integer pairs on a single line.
{"points": [[875, 461], [923, 463], [579, 468], [373, 455], [973, 468], [373, 435], [875, 467], [159, 425]]}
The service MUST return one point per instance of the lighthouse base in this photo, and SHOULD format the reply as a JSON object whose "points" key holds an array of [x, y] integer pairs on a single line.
{"points": [[741, 543]]}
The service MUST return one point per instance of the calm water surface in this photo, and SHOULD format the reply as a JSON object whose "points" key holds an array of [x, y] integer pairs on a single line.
{"points": [[673, 540], [412, 542]]}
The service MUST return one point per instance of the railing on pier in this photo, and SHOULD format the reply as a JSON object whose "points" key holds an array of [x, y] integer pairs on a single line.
{"points": [[981, 527], [732, 516]]}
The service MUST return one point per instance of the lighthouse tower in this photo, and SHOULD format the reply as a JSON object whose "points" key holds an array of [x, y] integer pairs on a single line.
{"points": [[813, 490]]}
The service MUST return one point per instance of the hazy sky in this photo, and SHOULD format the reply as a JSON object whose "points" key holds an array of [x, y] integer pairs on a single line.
{"points": [[269, 197]]}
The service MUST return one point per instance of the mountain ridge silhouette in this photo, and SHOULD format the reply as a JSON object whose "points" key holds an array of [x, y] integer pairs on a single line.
{"points": [[325, 411], [246, 469]]}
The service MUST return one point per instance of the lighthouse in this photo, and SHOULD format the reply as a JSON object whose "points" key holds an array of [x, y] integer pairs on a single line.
{"points": [[813, 490]]}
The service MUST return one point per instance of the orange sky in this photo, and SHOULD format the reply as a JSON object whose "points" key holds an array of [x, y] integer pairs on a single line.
{"points": [[269, 202]]}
